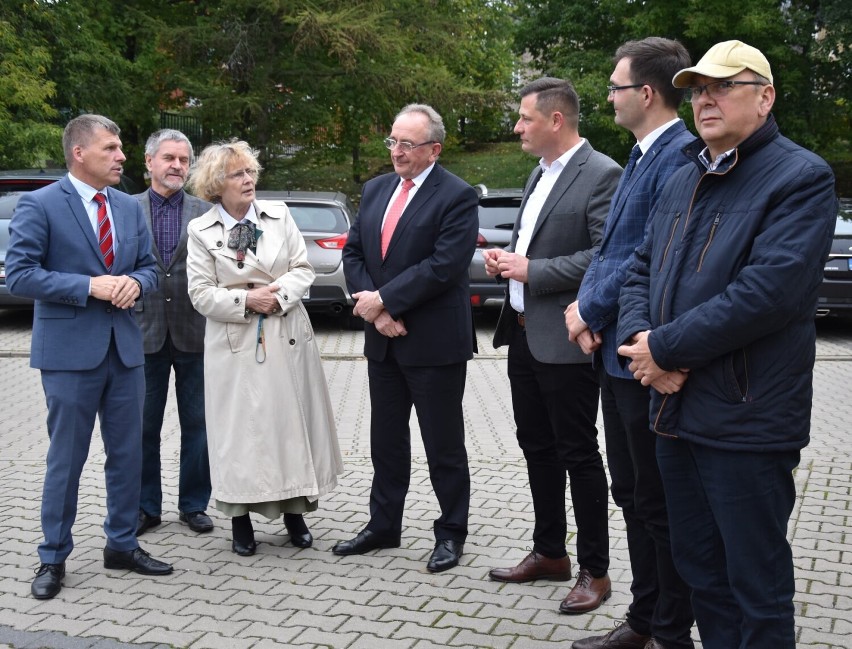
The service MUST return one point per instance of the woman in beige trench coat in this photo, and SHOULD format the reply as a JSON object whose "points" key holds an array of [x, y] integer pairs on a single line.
{"points": [[270, 428]]}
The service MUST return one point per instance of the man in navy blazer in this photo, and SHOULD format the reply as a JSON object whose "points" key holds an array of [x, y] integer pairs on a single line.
{"points": [[646, 104], [85, 340], [554, 389], [410, 281]]}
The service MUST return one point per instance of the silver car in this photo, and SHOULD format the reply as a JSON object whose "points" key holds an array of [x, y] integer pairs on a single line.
{"points": [[498, 210], [323, 219]]}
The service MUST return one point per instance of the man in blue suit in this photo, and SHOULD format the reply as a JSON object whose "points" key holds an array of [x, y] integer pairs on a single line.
{"points": [[406, 263], [646, 104], [82, 251]]}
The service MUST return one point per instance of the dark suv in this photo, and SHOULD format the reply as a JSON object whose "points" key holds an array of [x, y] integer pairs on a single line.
{"points": [[12, 185], [498, 210]]}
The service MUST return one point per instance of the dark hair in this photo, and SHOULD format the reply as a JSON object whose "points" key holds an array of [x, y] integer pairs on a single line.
{"points": [[555, 95], [654, 61], [80, 131]]}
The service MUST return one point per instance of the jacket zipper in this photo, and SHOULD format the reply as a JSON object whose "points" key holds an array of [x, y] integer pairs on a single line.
{"points": [[709, 241]]}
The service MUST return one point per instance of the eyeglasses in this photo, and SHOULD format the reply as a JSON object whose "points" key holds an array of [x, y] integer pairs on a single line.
{"points": [[718, 88], [611, 90], [407, 147], [238, 175]]}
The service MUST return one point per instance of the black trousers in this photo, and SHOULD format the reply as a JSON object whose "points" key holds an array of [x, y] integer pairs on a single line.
{"points": [[660, 605], [436, 393], [555, 407]]}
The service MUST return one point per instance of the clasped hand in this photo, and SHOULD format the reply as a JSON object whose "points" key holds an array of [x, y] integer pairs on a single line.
{"points": [[369, 307], [646, 370], [578, 332], [120, 290], [263, 299], [509, 265]]}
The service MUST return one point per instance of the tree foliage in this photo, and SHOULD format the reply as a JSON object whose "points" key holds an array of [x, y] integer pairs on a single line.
{"points": [[806, 42]]}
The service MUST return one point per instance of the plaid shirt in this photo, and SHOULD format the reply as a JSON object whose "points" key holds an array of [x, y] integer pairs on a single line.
{"points": [[165, 218]]}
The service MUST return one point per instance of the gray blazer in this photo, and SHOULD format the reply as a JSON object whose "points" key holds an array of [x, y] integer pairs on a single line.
{"points": [[569, 227], [168, 310]]}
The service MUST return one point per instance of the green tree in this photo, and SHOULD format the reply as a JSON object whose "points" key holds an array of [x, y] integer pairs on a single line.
{"points": [[806, 43], [27, 138]]}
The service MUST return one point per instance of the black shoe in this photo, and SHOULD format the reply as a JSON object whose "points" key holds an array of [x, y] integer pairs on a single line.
{"points": [[446, 555], [244, 550], [136, 560], [48, 580], [364, 542], [198, 521], [145, 522], [300, 536]]}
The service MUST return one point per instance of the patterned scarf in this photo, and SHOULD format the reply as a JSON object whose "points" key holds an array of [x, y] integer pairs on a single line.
{"points": [[244, 237]]}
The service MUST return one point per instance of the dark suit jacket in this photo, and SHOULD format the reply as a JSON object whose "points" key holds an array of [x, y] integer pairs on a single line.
{"points": [[168, 309], [53, 252], [424, 277], [623, 231], [568, 228]]}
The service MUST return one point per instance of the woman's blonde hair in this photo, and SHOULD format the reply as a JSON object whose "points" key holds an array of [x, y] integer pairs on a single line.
{"points": [[207, 175]]}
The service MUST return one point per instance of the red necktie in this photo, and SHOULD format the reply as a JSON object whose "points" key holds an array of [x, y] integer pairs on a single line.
{"points": [[394, 213], [104, 232]]}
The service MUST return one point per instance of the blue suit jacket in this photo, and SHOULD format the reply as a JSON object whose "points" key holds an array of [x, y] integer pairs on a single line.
{"points": [[53, 253], [624, 230], [424, 276]]}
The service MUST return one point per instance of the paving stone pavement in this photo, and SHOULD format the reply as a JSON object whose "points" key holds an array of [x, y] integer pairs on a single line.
{"points": [[285, 597]]}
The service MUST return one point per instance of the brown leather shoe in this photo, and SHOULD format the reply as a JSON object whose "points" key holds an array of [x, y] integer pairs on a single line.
{"points": [[535, 566], [587, 595], [621, 637]]}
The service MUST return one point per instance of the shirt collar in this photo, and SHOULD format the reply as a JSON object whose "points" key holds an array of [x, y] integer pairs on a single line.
{"points": [[86, 192], [159, 200], [648, 141], [421, 177], [562, 161], [230, 221], [712, 165]]}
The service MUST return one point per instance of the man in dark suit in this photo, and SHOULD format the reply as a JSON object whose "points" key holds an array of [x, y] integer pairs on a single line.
{"points": [[406, 263], [646, 104], [554, 389], [81, 250], [173, 334]]}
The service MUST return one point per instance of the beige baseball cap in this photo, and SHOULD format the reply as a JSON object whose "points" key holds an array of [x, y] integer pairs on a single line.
{"points": [[724, 60]]}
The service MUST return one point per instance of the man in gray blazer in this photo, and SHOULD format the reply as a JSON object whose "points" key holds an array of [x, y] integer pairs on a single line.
{"points": [[554, 388], [174, 337]]}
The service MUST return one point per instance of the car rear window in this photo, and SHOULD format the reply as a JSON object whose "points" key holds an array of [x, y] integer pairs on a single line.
{"points": [[499, 213], [18, 185], [318, 218]]}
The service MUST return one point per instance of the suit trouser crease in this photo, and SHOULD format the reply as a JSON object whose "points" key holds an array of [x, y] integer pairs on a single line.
{"points": [[194, 486], [114, 393], [661, 600], [728, 512], [555, 408], [436, 394]]}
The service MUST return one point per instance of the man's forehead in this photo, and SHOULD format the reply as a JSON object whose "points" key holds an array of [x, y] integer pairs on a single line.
{"points": [[701, 80]]}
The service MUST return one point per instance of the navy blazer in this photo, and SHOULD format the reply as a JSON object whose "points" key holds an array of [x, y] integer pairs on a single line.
{"points": [[424, 276], [53, 253], [624, 230]]}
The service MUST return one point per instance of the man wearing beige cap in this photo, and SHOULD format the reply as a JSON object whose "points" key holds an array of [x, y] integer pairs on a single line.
{"points": [[717, 316]]}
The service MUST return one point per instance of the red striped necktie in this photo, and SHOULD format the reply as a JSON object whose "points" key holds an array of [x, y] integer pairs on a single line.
{"points": [[104, 232]]}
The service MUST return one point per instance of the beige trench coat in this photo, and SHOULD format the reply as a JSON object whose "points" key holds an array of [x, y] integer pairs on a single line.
{"points": [[270, 426]]}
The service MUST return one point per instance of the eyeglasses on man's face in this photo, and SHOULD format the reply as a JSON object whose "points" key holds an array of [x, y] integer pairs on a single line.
{"points": [[407, 147], [238, 175], [717, 88], [611, 90]]}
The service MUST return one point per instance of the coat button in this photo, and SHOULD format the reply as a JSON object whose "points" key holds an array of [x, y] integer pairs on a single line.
{"points": [[292, 342], [218, 244], [240, 264], [168, 274], [250, 284], [168, 299], [236, 300]]}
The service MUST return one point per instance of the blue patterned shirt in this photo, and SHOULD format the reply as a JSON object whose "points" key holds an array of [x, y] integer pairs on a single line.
{"points": [[165, 218]]}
